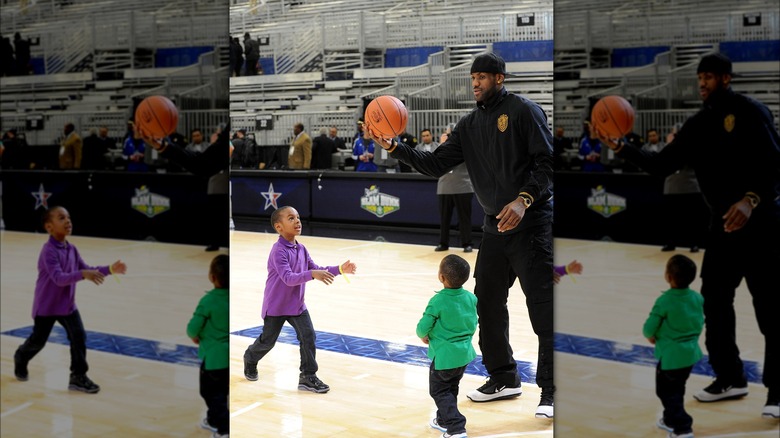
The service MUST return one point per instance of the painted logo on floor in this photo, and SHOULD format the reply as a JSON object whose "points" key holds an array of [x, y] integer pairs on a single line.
{"points": [[379, 204], [148, 203], [605, 203]]}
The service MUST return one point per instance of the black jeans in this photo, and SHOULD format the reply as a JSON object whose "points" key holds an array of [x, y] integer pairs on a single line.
{"points": [[272, 326], [670, 388], [729, 258], [443, 387], [526, 255], [462, 203], [214, 390], [40, 334]]}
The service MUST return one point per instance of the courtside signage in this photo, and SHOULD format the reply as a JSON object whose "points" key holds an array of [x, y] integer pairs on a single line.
{"points": [[379, 204], [605, 203], [148, 203]]}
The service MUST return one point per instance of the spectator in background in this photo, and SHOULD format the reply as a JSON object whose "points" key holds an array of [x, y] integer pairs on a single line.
{"points": [[7, 60], [252, 52], [454, 190], [338, 141], [218, 195], [363, 154], [654, 143], [14, 155], [561, 144], [96, 146], [682, 195], [245, 155], [22, 49], [590, 151], [197, 142], [322, 149], [236, 57], [70, 148], [133, 151], [300, 149]]}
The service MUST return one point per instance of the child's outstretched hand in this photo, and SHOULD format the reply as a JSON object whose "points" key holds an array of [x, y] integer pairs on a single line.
{"points": [[94, 276], [574, 267], [118, 267], [323, 276], [348, 267]]}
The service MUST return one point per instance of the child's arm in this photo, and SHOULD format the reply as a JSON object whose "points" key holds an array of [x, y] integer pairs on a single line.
{"points": [[653, 323], [53, 269], [197, 322], [426, 323]]}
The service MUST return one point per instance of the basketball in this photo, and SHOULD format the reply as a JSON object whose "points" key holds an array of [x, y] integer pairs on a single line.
{"points": [[613, 116], [156, 116], [386, 116]]}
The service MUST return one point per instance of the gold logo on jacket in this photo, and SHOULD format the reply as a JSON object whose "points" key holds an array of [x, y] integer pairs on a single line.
{"points": [[503, 122], [728, 123]]}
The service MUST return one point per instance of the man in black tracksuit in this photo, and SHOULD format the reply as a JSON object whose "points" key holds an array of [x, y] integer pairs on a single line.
{"points": [[507, 147], [734, 148]]}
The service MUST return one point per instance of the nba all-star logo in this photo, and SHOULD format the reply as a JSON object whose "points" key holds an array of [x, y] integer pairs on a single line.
{"points": [[270, 197], [148, 203], [604, 203], [380, 204], [41, 198]]}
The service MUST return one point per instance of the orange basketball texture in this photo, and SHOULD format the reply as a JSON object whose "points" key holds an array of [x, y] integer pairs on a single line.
{"points": [[387, 116], [157, 116], [613, 116]]}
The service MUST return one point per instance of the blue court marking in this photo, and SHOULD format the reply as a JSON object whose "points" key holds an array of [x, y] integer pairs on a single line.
{"points": [[375, 349], [382, 350], [123, 345], [634, 354]]}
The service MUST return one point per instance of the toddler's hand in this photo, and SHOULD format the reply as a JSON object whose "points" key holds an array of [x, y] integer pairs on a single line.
{"points": [[93, 276], [118, 267], [323, 276], [425, 340]]}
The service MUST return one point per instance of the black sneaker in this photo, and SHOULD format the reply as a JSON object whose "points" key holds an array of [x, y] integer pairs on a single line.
{"points": [[722, 390], [82, 383], [20, 370], [545, 408], [667, 248], [313, 384], [772, 407], [493, 390], [250, 371], [204, 424]]}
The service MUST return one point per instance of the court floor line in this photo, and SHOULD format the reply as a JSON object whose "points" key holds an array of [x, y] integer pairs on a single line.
{"points": [[16, 409], [376, 349]]}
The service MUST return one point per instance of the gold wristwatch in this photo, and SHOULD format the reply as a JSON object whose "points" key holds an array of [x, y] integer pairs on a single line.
{"points": [[527, 199]]}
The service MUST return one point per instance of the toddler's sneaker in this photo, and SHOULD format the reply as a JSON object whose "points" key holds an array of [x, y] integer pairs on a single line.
{"points": [[204, 424], [250, 371], [722, 390], [434, 423], [219, 435], [313, 384], [545, 408], [772, 407], [493, 390], [20, 370], [457, 435], [80, 382], [661, 425]]}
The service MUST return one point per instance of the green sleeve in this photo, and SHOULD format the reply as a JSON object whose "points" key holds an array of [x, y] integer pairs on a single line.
{"points": [[653, 321], [197, 321], [426, 322]]}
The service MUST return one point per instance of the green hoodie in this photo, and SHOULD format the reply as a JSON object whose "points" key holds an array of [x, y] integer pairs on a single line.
{"points": [[450, 321]]}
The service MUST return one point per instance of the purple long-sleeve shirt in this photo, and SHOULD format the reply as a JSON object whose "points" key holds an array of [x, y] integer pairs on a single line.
{"points": [[289, 268], [59, 269]]}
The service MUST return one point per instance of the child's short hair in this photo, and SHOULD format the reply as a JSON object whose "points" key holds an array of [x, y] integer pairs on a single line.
{"points": [[275, 216], [48, 214], [220, 268], [455, 269], [682, 270]]}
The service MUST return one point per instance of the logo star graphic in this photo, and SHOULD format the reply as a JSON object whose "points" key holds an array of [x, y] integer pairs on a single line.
{"points": [[41, 198], [271, 197]]}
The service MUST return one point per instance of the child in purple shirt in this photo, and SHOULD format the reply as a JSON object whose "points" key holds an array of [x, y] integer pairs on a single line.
{"points": [[289, 268], [60, 267]]}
